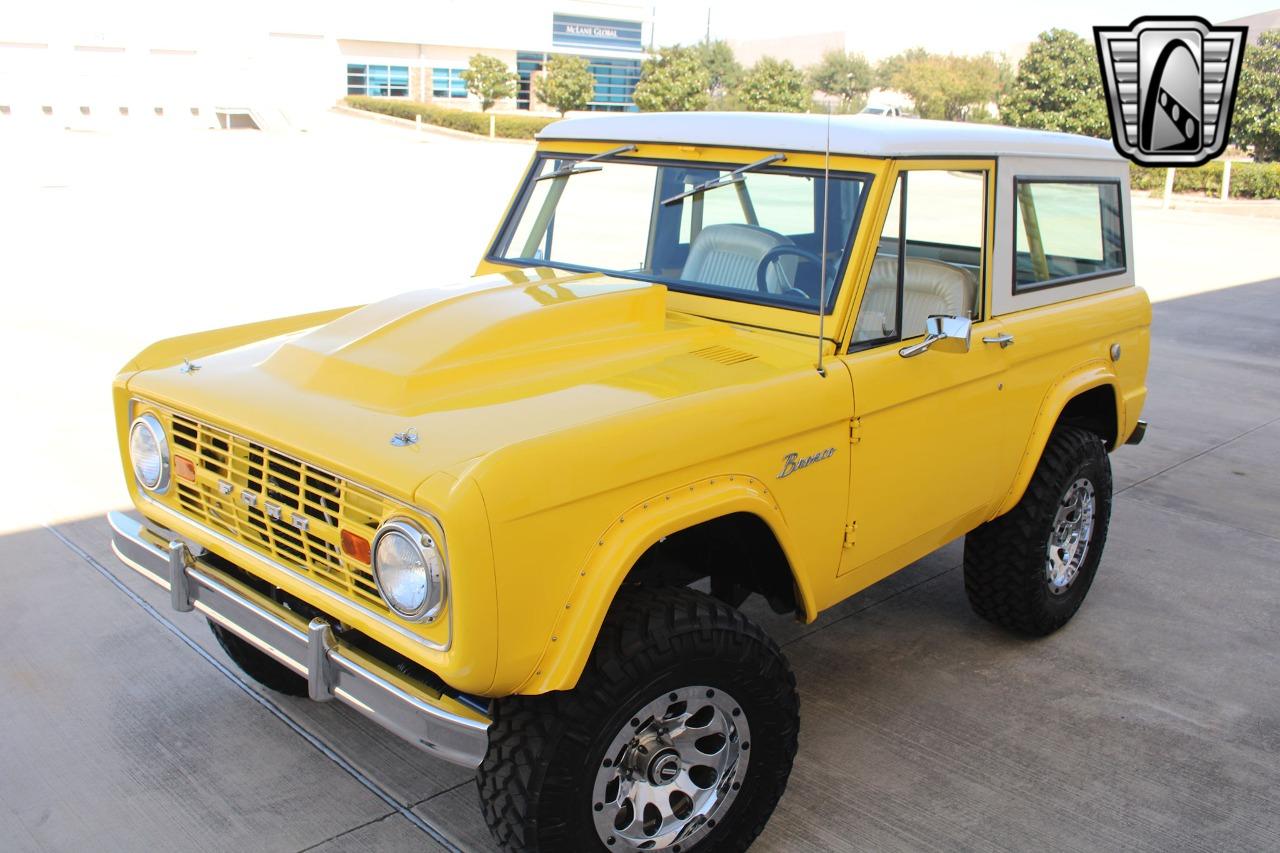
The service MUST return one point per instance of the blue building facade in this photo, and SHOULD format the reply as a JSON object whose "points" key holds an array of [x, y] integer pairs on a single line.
{"points": [[614, 49]]}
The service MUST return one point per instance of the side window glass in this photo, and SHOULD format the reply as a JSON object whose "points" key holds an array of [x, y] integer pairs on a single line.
{"points": [[878, 314], [929, 259], [1065, 231]]}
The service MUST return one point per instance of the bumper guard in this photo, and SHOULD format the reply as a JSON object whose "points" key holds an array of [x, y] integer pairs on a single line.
{"points": [[1139, 433]]}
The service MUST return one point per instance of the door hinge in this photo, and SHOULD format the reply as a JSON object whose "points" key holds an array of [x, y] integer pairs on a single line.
{"points": [[850, 532], [855, 430]]}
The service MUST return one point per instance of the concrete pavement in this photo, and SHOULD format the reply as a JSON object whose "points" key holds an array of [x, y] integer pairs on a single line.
{"points": [[1151, 722]]}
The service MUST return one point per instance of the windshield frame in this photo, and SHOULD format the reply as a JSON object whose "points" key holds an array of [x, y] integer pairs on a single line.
{"points": [[745, 297]]}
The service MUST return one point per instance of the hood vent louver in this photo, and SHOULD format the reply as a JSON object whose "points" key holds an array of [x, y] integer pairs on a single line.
{"points": [[723, 355]]}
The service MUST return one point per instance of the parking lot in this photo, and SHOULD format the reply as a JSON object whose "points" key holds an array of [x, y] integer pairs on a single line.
{"points": [[1151, 722]]}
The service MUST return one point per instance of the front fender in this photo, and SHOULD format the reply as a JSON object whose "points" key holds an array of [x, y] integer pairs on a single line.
{"points": [[1085, 377], [619, 547], [170, 351]]}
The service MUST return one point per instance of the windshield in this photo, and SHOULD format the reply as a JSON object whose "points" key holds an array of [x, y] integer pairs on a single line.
{"points": [[754, 236]]}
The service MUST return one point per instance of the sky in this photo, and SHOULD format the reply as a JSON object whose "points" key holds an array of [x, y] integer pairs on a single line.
{"points": [[875, 29], [882, 29]]}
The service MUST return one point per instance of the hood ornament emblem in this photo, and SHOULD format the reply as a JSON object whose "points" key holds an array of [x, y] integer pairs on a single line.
{"points": [[188, 367], [406, 438]]}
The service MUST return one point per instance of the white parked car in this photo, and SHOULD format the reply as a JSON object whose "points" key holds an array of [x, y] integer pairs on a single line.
{"points": [[882, 110]]}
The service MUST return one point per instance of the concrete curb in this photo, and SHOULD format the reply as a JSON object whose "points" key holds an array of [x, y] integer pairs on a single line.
{"points": [[1268, 208], [396, 121]]}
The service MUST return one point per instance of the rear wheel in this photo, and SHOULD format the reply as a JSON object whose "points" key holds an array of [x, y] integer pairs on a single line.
{"points": [[1030, 569], [679, 736], [259, 665]]}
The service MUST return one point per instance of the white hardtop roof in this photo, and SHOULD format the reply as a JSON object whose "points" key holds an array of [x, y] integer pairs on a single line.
{"points": [[865, 135]]}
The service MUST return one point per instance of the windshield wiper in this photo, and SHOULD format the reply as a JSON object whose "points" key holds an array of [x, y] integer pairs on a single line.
{"points": [[732, 178], [577, 167]]}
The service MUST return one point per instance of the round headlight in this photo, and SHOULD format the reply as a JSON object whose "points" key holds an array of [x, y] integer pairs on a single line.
{"points": [[149, 453], [409, 570]]}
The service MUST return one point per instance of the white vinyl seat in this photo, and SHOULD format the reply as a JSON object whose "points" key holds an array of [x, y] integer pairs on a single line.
{"points": [[728, 255], [928, 287]]}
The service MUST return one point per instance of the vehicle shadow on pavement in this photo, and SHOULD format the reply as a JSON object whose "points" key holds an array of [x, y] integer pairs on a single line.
{"points": [[1149, 722]]}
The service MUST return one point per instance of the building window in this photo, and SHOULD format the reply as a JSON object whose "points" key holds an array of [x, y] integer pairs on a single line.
{"points": [[527, 65], [615, 81], [1067, 230], [448, 83], [378, 81]]}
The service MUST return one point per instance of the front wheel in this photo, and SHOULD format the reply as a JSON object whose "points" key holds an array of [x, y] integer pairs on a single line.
{"points": [[680, 735]]}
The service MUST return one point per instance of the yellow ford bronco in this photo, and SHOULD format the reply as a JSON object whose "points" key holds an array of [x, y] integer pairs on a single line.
{"points": [[704, 357]]}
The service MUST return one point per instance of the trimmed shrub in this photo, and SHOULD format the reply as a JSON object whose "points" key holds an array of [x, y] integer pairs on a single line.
{"points": [[1255, 180], [508, 127], [1248, 180]]}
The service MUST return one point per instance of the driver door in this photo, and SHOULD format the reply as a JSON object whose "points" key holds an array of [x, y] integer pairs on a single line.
{"points": [[930, 431]]}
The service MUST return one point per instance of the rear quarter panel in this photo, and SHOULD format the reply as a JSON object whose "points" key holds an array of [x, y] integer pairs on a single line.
{"points": [[1065, 349]]}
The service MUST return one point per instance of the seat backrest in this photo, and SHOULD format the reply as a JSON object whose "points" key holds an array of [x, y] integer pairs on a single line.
{"points": [[928, 287], [728, 255]]}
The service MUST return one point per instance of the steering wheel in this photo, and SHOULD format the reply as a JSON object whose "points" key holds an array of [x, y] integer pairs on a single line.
{"points": [[762, 270]]}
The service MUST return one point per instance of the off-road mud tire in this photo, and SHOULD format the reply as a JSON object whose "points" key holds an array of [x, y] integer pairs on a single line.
{"points": [[544, 751], [259, 665], [1005, 559]]}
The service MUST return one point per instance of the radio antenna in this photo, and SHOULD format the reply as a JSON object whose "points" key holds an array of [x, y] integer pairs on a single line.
{"points": [[822, 275]]}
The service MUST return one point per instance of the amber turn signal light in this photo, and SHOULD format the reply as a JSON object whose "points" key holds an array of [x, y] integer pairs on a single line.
{"points": [[356, 547], [184, 468]]}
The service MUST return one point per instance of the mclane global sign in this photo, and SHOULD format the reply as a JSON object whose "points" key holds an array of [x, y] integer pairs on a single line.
{"points": [[1170, 86], [577, 31]]}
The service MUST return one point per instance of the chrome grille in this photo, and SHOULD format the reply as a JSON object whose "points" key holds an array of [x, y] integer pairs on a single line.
{"points": [[277, 505]]}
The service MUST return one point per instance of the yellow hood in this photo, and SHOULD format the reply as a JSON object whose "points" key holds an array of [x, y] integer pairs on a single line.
{"points": [[472, 369]]}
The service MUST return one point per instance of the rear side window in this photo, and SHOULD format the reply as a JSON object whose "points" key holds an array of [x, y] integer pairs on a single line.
{"points": [[1067, 230]]}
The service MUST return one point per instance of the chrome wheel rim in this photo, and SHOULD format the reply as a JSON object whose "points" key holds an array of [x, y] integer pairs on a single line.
{"points": [[1069, 539], [672, 771]]}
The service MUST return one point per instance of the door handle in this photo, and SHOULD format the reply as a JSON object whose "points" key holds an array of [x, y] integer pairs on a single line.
{"points": [[1004, 339]]}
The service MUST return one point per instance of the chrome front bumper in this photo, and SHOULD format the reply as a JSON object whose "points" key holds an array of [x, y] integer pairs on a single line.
{"points": [[436, 723]]}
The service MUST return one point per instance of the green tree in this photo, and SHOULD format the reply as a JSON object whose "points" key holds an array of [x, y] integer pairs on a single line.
{"points": [[674, 80], [1257, 112], [891, 66], [944, 87], [1058, 87], [489, 79], [848, 76], [724, 70], [775, 86], [566, 83]]}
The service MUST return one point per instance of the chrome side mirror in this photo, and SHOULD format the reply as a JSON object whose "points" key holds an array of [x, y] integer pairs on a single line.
{"points": [[946, 334]]}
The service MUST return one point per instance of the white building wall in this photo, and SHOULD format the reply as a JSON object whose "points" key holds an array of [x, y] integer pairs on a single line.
{"points": [[284, 60]]}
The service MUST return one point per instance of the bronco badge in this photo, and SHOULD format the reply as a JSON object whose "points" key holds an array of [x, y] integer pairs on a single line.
{"points": [[792, 462]]}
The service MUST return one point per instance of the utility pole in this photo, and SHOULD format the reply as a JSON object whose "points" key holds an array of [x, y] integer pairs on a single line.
{"points": [[708, 23]]}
